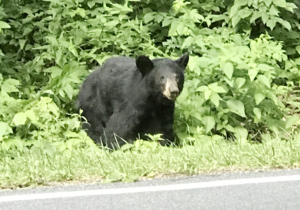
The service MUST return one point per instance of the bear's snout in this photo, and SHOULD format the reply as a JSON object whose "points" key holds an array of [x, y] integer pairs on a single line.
{"points": [[171, 90], [174, 93]]}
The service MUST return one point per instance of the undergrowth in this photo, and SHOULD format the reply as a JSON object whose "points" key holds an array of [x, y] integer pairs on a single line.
{"points": [[143, 159]]}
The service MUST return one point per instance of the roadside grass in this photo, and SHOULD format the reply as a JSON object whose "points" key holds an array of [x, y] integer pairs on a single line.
{"points": [[145, 159]]}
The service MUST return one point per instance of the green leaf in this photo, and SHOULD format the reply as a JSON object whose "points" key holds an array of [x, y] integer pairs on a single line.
{"points": [[55, 71], [239, 82], [46, 99], [264, 80], [58, 57], [255, 16], [271, 23], [298, 49], [91, 4], [241, 133], [20, 119], [159, 18], [229, 82], [235, 20], [215, 98], [267, 2], [73, 50], [207, 94], [81, 12], [180, 27], [31, 115], [9, 85], [286, 24], [69, 91], [257, 112], [273, 97], [217, 89], [52, 40], [208, 122], [291, 121], [228, 69], [234, 10], [259, 97], [280, 3], [241, 2], [229, 128], [187, 42], [53, 108], [22, 43], [112, 23], [273, 11], [4, 25], [237, 107], [245, 13], [148, 17], [3, 129], [166, 22], [252, 73], [126, 147], [11, 143], [173, 28], [18, 143], [27, 31], [202, 88], [265, 17], [290, 7], [264, 67]]}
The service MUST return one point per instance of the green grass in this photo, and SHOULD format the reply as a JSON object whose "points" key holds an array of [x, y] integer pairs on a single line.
{"points": [[29, 168]]}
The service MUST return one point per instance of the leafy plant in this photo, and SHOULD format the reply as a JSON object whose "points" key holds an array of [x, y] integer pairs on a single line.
{"points": [[244, 62]]}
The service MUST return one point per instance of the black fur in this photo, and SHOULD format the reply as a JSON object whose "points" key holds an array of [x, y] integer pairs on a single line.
{"points": [[124, 97]]}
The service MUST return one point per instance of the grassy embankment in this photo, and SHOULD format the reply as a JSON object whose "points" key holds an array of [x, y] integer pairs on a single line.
{"points": [[91, 164]]}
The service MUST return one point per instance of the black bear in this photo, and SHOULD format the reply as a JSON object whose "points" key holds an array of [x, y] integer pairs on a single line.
{"points": [[127, 98]]}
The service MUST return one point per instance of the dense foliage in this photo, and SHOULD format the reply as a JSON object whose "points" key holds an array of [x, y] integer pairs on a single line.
{"points": [[244, 66]]}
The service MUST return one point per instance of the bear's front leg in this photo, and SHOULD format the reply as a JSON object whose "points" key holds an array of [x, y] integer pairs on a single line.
{"points": [[166, 120], [168, 134], [120, 128]]}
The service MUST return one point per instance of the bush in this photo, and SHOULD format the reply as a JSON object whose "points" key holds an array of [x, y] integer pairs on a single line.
{"points": [[244, 57]]}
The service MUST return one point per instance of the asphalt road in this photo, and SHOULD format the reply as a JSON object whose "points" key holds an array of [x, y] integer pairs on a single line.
{"points": [[254, 190]]}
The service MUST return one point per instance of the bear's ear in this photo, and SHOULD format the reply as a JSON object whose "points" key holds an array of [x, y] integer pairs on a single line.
{"points": [[183, 60], [144, 64]]}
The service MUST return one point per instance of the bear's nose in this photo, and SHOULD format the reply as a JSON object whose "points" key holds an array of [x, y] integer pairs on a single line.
{"points": [[174, 93]]}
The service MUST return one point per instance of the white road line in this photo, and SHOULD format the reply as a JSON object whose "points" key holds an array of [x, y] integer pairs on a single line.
{"points": [[149, 188]]}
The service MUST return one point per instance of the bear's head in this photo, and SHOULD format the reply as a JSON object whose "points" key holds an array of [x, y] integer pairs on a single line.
{"points": [[164, 77]]}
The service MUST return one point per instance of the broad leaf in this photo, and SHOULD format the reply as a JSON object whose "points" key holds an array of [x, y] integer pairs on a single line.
{"points": [[4, 25], [215, 98], [20, 119], [259, 97], [280, 3], [208, 122], [264, 80], [252, 73], [237, 107], [239, 82], [228, 69], [241, 133], [257, 112]]}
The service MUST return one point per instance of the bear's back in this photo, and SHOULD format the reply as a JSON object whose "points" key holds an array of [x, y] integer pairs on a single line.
{"points": [[118, 65]]}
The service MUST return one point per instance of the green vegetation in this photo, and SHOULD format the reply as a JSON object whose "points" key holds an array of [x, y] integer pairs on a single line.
{"points": [[29, 168], [242, 83]]}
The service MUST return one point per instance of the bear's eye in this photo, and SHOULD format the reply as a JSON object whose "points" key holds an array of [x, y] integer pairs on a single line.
{"points": [[162, 78], [177, 79]]}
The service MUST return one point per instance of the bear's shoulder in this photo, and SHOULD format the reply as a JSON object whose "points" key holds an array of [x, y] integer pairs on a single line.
{"points": [[119, 64]]}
